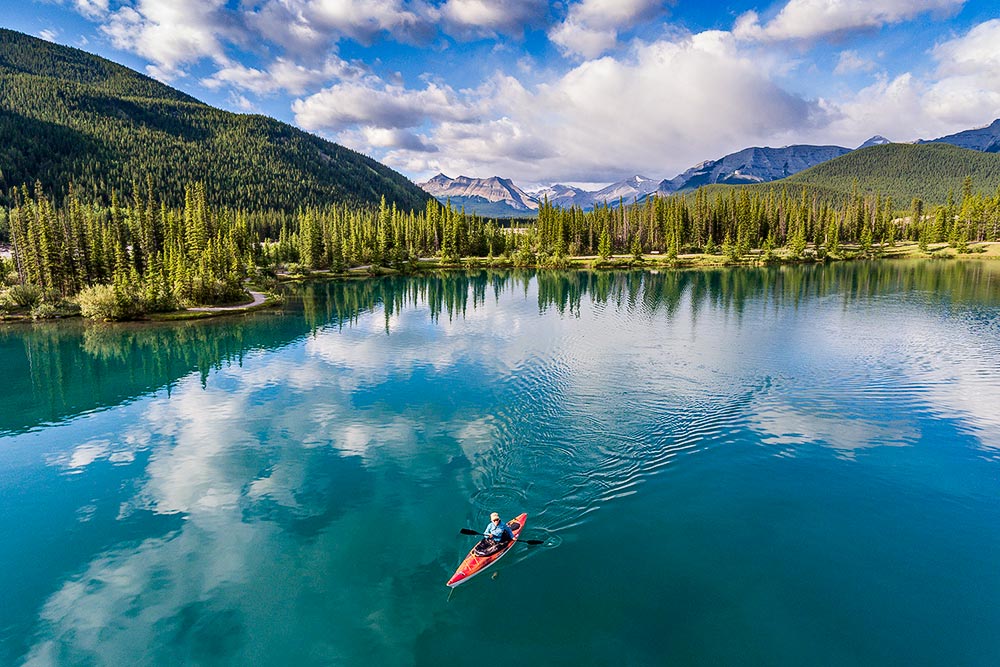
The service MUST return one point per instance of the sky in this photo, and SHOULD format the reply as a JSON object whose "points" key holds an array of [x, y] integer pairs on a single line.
{"points": [[583, 92]]}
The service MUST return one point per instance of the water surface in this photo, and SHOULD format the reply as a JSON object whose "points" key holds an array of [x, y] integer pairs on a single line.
{"points": [[781, 466]]}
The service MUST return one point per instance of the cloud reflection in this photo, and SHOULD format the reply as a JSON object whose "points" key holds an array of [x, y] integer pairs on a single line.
{"points": [[293, 472]]}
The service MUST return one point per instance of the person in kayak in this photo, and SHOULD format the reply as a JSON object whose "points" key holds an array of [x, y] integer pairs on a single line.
{"points": [[497, 531]]}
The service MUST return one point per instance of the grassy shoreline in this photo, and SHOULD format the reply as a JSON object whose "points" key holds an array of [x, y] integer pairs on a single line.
{"points": [[907, 250]]}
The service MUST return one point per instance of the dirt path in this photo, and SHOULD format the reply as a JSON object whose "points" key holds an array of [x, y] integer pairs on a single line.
{"points": [[258, 298]]}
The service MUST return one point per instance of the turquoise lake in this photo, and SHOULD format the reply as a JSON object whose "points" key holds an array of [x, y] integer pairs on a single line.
{"points": [[776, 466]]}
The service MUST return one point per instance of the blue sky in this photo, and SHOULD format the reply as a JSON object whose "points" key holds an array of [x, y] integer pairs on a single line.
{"points": [[579, 91]]}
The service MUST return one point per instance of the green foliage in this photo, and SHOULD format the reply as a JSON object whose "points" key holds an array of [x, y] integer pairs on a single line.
{"points": [[69, 118], [100, 302], [636, 249], [44, 311], [904, 171], [25, 296], [604, 245]]}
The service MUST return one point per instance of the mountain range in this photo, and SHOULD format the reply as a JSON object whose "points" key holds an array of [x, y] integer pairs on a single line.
{"points": [[493, 197], [748, 166], [985, 139]]}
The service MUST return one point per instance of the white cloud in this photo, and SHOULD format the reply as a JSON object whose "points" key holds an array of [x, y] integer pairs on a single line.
{"points": [[382, 137], [811, 19], [849, 61], [91, 9], [282, 75], [592, 26], [172, 33], [485, 18], [574, 37], [241, 102], [613, 115], [373, 103], [48, 35], [675, 102], [309, 27], [962, 92], [976, 53]]}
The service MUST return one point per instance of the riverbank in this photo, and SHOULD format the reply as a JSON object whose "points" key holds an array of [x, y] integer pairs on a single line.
{"points": [[258, 301], [649, 261], [907, 250]]}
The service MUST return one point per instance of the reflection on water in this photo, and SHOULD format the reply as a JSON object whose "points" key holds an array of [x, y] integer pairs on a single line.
{"points": [[287, 487], [56, 371]]}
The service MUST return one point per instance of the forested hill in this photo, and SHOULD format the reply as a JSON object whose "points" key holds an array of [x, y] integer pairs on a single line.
{"points": [[67, 116], [904, 171]]}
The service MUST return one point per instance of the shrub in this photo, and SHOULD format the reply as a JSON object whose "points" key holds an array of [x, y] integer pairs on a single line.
{"points": [[524, 257], [108, 303], [45, 311], [25, 296]]}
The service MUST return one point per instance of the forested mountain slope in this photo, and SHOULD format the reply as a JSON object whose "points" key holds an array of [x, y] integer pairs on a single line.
{"points": [[904, 171], [67, 116]]}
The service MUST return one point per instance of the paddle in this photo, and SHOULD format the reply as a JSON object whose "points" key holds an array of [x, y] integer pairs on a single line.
{"points": [[469, 531]]}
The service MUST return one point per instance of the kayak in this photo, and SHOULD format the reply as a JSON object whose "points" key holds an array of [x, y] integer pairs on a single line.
{"points": [[475, 563]]}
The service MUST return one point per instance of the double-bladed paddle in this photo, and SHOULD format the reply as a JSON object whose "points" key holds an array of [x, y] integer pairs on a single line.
{"points": [[469, 531]]}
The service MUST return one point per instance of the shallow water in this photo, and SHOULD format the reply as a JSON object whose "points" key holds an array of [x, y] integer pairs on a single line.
{"points": [[783, 466]]}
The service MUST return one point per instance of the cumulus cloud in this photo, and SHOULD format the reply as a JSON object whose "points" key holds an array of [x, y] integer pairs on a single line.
{"points": [[482, 18], [609, 116], [811, 19], [974, 53], [91, 9], [592, 26], [963, 91], [850, 61], [311, 26], [396, 138], [282, 75], [374, 103], [172, 33]]}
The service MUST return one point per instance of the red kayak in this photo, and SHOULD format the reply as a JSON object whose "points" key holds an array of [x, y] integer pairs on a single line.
{"points": [[475, 563]]}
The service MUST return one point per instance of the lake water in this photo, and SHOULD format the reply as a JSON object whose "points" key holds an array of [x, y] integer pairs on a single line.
{"points": [[782, 466]]}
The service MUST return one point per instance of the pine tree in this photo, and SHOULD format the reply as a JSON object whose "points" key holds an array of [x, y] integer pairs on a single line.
{"points": [[604, 244]]}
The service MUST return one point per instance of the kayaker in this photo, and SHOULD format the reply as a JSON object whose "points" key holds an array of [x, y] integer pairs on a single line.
{"points": [[497, 530]]}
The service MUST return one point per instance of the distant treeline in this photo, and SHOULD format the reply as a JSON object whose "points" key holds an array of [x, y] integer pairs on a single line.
{"points": [[739, 220]]}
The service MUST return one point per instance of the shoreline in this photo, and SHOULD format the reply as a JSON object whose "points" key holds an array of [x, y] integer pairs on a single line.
{"points": [[989, 251], [908, 250]]}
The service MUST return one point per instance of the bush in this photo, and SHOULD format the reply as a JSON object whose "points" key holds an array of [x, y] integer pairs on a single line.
{"points": [[524, 257], [45, 311], [108, 303], [25, 296], [557, 261]]}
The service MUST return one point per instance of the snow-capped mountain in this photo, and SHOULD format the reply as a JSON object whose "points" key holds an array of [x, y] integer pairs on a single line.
{"points": [[877, 140], [752, 165], [628, 190], [985, 139], [500, 197], [470, 191], [564, 196]]}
